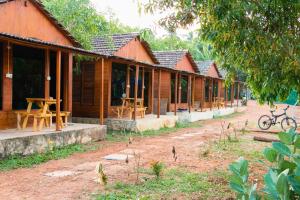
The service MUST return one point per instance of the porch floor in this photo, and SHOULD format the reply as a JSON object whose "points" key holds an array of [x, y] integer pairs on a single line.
{"points": [[27, 141]]}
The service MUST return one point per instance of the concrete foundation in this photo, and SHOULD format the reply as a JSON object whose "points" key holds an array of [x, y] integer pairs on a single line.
{"points": [[25, 142], [150, 122], [209, 114]]}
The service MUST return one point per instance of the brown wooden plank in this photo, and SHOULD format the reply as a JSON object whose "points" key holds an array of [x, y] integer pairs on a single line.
{"points": [[47, 73], [143, 83], [128, 82], [136, 91], [58, 75], [159, 93], [152, 90], [7, 82], [70, 83], [102, 93], [176, 93]]}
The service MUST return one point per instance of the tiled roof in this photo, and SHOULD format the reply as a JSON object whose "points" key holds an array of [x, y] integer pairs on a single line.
{"points": [[108, 45], [55, 22], [223, 73], [169, 59], [203, 66]]}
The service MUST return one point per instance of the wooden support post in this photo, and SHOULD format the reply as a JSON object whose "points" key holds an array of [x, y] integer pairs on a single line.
{"points": [[193, 91], [128, 82], [159, 91], [238, 94], [101, 114], [47, 73], [232, 94], [6, 81], [202, 93], [179, 92], [136, 90], [211, 92], [152, 90], [70, 82], [225, 97], [176, 93], [58, 76], [143, 85], [189, 93]]}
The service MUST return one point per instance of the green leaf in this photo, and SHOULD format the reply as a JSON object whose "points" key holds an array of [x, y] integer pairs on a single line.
{"points": [[295, 183], [282, 185], [236, 187], [297, 171], [253, 193], [287, 165], [270, 184], [282, 148], [297, 142], [270, 154], [287, 137]]}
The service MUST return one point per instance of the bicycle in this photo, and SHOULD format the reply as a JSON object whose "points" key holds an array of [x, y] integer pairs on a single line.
{"points": [[265, 121]]}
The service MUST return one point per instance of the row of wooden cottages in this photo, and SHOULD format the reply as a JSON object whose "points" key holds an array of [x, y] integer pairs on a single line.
{"points": [[37, 59]]}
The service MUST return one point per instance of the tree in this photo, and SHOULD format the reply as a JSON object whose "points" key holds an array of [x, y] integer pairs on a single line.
{"points": [[79, 18], [260, 38], [199, 49]]}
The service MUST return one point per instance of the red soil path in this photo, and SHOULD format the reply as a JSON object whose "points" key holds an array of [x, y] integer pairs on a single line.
{"points": [[32, 183]]}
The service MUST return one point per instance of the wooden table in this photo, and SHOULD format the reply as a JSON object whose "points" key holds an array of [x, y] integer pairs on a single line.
{"points": [[43, 113], [219, 102], [128, 104]]}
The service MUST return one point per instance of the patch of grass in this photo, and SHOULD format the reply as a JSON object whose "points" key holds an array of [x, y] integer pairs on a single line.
{"points": [[235, 114], [120, 136], [241, 147], [18, 161], [175, 183]]}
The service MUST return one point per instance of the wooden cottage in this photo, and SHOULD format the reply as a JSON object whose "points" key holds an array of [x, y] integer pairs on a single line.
{"points": [[36, 58], [178, 85], [127, 72], [214, 86]]}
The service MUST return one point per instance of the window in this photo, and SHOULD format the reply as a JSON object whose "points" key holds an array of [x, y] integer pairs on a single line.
{"points": [[28, 75], [118, 83], [184, 89], [1, 71], [207, 83]]}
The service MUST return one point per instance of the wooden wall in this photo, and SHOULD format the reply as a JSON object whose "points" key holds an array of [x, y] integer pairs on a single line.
{"points": [[165, 84], [185, 65], [212, 72], [22, 18], [89, 106], [135, 50], [199, 87]]}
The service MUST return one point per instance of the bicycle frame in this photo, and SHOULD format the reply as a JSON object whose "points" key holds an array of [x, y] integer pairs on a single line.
{"points": [[275, 117]]}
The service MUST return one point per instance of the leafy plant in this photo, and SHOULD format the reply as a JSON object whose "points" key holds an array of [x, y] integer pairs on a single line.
{"points": [[157, 168], [282, 180]]}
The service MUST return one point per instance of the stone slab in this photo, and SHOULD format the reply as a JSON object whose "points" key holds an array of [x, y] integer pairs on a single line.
{"points": [[117, 157], [58, 174], [178, 137]]}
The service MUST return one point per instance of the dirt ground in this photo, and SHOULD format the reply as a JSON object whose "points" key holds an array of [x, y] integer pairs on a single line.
{"points": [[80, 181]]}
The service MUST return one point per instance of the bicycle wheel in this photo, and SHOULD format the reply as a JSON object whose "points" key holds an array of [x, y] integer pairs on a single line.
{"points": [[265, 122], [288, 123]]}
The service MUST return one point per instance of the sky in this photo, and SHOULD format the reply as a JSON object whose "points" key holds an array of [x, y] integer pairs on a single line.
{"points": [[127, 13]]}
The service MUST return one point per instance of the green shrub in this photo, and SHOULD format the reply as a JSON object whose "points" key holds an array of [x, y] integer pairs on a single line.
{"points": [[282, 180], [157, 168]]}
